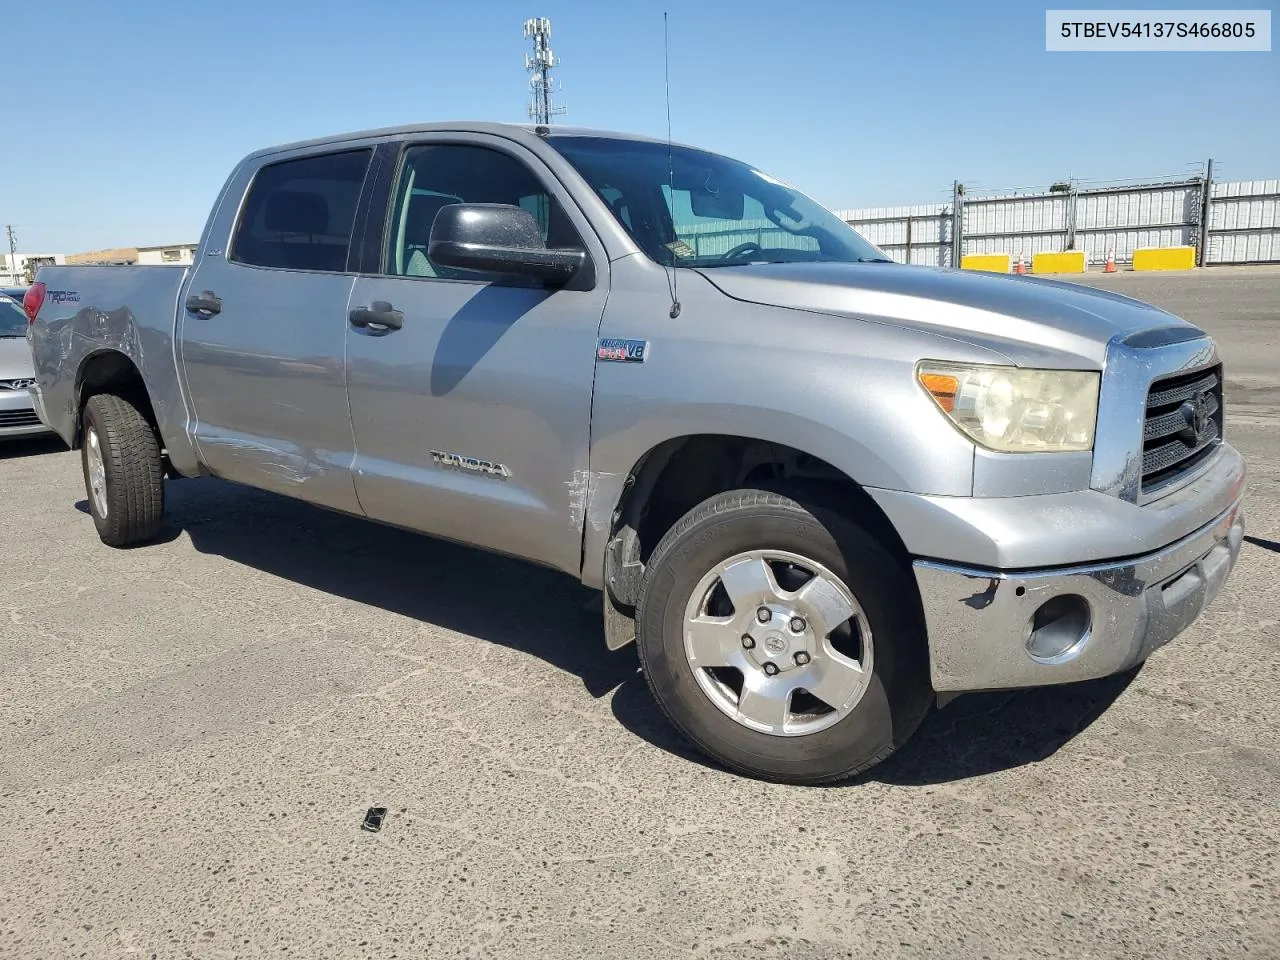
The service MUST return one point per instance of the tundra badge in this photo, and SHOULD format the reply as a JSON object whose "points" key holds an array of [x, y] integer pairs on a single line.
{"points": [[473, 464]]}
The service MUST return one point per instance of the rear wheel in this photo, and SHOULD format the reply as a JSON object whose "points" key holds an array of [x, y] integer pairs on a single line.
{"points": [[782, 639], [123, 473]]}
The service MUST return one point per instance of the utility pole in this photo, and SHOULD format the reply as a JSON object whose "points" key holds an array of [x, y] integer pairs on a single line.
{"points": [[13, 252], [1206, 198], [542, 108], [957, 223]]}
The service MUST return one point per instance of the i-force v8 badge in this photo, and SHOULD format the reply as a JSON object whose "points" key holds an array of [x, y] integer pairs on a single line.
{"points": [[623, 351]]}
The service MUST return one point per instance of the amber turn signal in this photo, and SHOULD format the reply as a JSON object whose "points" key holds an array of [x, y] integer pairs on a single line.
{"points": [[942, 388]]}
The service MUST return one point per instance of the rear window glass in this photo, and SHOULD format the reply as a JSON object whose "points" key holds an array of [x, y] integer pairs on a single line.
{"points": [[298, 214]]}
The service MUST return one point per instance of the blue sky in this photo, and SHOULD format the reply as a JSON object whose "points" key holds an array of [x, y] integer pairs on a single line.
{"points": [[124, 118]]}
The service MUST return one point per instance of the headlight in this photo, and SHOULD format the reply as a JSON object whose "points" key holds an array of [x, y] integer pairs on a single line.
{"points": [[1015, 410]]}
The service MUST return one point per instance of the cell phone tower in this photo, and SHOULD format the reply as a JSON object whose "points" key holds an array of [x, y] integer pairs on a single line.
{"points": [[542, 108]]}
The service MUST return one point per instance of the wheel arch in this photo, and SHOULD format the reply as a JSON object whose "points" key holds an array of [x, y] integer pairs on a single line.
{"points": [[111, 371], [676, 474]]}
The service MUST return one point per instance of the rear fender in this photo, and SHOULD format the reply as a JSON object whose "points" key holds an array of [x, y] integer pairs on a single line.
{"points": [[124, 312]]}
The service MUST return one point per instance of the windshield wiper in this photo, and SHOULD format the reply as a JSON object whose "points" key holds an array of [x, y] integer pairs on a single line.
{"points": [[873, 260]]}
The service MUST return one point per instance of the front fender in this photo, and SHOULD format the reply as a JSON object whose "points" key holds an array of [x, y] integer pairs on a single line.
{"points": [[837, 388]]}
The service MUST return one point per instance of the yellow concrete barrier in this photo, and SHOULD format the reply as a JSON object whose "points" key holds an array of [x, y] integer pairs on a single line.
{"points": [[1164, 258], [1069, 261], [991, 262]]}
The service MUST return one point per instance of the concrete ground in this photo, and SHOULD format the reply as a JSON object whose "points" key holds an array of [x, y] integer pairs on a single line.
{"points": [[191, 732]]}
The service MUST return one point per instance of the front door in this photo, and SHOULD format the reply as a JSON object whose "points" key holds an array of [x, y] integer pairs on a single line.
{"points": [[263, 332], [472, 418]]}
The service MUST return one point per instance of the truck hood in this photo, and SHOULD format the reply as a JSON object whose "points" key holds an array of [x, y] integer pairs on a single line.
{"points": [[1031, 321], [15, 358]]}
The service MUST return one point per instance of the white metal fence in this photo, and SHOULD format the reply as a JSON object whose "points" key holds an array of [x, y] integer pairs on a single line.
{"points": [[1242, 225], [707, 241], [916, 234], [1244, 222]]}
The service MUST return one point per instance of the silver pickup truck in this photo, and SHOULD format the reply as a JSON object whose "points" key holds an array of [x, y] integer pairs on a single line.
{"points": [[817, 488]]}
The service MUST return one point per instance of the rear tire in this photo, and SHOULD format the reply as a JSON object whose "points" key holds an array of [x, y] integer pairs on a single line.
{"points": [[123, 472], [874, 663]]}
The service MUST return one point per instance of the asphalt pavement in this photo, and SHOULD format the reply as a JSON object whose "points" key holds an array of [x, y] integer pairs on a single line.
{"points": [[191, 733]]}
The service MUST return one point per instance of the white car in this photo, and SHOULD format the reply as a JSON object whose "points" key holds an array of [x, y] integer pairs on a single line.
{"points": [[17, 414]]}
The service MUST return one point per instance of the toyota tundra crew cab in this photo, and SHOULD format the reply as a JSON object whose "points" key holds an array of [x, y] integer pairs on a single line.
{"points": [[819, 489]]}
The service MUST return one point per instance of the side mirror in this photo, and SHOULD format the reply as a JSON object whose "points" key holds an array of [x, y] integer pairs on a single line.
{"points": [[500, 239]]}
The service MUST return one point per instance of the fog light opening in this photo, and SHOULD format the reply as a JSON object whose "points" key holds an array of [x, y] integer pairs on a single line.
{"points": [[1059, 628]]}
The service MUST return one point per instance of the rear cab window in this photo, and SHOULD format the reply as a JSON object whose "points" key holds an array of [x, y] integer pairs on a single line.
{"points": [[298, 214]]}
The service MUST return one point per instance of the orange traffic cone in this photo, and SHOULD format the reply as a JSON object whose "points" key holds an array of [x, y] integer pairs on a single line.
{"points": [[1111, 262], [1020, 268]]}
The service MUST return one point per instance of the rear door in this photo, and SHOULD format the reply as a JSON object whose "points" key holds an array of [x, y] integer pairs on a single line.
{"points": [[263, 328], [472, 419]]}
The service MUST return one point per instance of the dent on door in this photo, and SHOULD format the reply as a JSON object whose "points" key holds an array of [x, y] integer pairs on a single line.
{"points": [[267, 383], [472, 421]]}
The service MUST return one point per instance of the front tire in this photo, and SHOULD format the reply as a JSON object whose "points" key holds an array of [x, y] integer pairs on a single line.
{"points": [[782, 639], [123, 473]]}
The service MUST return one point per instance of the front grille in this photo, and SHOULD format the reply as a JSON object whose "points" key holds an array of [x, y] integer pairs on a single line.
{"points": [[18, 418], [1183, 425]]}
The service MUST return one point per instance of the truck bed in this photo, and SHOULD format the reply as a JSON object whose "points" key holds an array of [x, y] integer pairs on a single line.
{"points": [[92, 311]]}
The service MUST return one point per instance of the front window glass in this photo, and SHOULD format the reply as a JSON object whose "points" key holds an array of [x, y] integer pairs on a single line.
{"points": [[690, 208], [13, 322], [437, 176]]}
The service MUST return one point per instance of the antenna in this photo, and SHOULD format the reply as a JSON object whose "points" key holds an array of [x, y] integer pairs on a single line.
{"points": [[540, 63], [672, 277]]}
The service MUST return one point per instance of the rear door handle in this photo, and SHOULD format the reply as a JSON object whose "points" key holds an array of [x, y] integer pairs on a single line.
{"points": [[205, 305], [380, 314]]}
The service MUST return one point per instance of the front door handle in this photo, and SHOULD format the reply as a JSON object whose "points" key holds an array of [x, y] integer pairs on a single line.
{"points": [[205, 304], [380, 314]]}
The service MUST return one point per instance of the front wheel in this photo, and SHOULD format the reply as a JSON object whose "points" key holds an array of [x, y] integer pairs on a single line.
{"points": [[782, 639]]}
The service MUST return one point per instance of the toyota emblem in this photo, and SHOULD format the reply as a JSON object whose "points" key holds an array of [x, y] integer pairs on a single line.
{"points": [[1201, 414]]}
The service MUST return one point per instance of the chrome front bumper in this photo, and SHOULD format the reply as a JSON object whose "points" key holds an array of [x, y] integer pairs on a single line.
{"points": [[980, 621]]}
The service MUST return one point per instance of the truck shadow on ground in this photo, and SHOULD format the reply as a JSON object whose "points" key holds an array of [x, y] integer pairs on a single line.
{"points": [[1271, 545], [553, 617], [498, 599], [37, 446], [975, 735]]}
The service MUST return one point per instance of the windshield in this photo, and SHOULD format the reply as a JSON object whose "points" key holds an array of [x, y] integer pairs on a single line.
{"points": [[699, 209], [13, 322]]}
